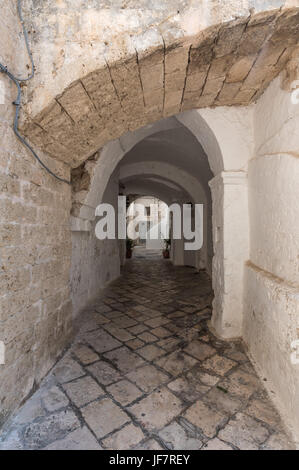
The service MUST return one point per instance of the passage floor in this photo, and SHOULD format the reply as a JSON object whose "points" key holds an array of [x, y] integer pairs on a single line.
{"points": [[145, 372]]}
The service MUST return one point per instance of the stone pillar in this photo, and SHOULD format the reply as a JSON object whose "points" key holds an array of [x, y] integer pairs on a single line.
{"points": [[231, 250]]}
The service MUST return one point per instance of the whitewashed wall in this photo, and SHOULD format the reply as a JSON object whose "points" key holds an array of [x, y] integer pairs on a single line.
{"points": [[271, 311]]}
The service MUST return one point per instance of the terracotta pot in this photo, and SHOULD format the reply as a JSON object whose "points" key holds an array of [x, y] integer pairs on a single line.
{"points": [[129, 254], [166, 254]]}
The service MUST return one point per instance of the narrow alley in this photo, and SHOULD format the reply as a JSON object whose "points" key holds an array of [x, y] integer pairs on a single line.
{"points": [[145, 372]]}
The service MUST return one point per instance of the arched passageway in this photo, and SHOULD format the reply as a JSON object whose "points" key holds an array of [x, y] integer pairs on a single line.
{"points": [[202, 92], [170, 163]]}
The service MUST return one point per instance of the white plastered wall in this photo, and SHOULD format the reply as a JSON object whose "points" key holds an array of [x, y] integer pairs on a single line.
{"points": [[271, 306]]}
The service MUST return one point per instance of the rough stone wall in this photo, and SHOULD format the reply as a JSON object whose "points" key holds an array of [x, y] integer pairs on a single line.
{"points": [[271, 314], [94, 262], [35, 309]]}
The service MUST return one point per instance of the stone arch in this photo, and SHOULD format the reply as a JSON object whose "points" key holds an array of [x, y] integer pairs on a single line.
{"points": [[113, 152], [158, 190], [167, 172], [153, 77]]}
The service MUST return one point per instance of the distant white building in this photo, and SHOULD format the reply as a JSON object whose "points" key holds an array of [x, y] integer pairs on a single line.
{"points": [[151, 218]]}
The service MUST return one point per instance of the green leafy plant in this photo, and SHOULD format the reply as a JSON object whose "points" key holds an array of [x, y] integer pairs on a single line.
{"points": [[129, 244]]}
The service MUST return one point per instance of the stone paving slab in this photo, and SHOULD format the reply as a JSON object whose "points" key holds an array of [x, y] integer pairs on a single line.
{"points": [[145, 372]]}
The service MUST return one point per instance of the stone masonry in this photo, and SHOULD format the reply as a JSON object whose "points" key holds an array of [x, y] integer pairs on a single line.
{"points": [[35, 248], [224, 65], [145, 373]]}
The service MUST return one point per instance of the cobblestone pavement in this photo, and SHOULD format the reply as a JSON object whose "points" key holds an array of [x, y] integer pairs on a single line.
{"points": [[144, 372]]}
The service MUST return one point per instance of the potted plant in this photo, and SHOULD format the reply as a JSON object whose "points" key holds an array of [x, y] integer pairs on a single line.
{"points": [[166, 253], [129, 247]]}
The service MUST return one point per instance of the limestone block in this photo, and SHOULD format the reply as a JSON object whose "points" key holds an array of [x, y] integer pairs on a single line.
{"points": [[220, 66], [240, 69], [253, 38], [196, 81], [76, 102], [176, 59], [228, 93], [229, 38], [213, 86], [173, 99], [152, 77]]}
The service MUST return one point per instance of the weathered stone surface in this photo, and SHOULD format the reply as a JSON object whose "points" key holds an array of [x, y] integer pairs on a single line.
{"points": [[67, 369], [205, 418], [147, 337], [53, 427], [161, 332], [188, 389], [124, 359], [102, 341], [244, 433], [199, 350], [157, 321], [151, 444], [206, 379], [157, 410], [278, 442], [135, 343], [263, 411], [32, 409], [83, 391], [119, 333], [176, 363], [85, 354], [175, 436], [240, 69], [135, 330], [104, 417], [241, 384], [80, 439], [151, 352], [147, 378], [223, 401], [54, 399], [104, 373], [127, 438], [12, 442], [184, 410], [216, 444], [124, 392], [219, 365]]}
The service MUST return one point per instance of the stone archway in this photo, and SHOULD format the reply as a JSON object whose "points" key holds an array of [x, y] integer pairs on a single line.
{"points": [[227, 64], [73, 109]]}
